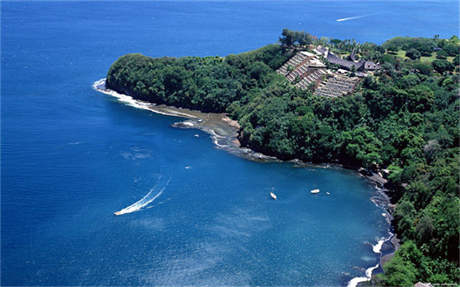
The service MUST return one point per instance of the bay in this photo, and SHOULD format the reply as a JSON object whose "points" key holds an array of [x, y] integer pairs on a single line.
{"points": [[72, 156]]}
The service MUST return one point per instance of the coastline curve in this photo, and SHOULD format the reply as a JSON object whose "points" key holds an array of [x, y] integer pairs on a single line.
{"points": [[224, 131]]}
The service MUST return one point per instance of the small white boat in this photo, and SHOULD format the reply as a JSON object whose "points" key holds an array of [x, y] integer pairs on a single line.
{"points": [[328, 193], [273, 195], [117, 213], [314, 191]]}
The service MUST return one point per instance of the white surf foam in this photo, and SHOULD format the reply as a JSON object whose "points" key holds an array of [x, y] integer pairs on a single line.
{"points": [[130, 101], [100, 87], [215, 138], [354, 282], [143, 202], [188, 123], [377, 249]]}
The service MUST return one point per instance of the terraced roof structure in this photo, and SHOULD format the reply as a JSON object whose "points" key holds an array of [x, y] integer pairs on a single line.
{"points": [[305, 69], [337, 86]]}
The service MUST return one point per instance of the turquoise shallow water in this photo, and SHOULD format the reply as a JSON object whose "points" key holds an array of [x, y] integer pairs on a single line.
{"points": [[72, 156]]}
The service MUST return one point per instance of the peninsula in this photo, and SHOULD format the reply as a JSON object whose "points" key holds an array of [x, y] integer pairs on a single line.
{"points": [[389, 109]]}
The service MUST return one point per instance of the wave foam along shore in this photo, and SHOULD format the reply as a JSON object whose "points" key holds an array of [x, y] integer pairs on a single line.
{"points": [[354, 282], [207, 122], [128, 100], [377, 249]]}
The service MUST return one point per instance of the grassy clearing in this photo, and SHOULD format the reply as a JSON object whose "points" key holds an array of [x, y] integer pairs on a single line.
{"points": [[427, 59], [402, 54]]}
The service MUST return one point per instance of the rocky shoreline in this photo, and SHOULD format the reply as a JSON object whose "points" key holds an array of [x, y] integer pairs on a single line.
{"points": [[222, 129], [224, 133]]}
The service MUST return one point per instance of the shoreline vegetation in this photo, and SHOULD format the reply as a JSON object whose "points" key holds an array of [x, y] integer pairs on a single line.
{"points": [[397, 124]]}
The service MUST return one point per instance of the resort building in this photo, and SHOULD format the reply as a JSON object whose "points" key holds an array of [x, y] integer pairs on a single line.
{"points": [[307, 70]]}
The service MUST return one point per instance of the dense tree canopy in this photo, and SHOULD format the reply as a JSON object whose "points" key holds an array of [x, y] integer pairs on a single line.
{"points": [[295, 38], [208, 84], [404, 118]]}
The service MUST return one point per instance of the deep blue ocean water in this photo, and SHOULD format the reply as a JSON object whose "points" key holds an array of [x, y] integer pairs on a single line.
{"points": [[71, 156]]}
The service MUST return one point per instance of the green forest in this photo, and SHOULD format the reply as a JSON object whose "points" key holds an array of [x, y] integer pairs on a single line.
{"points": [[404, 118]]}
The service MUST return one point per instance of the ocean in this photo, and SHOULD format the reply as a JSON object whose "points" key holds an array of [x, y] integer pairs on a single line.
{"points": [[193, 214]]}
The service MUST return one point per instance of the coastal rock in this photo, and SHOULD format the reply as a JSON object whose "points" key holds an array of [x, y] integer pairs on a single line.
{"points": [[184, 125]]}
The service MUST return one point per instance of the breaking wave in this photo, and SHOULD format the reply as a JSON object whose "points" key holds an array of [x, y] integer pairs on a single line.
{"points": [[354, 282], [225, 141], [99, 86], [377, 249]]}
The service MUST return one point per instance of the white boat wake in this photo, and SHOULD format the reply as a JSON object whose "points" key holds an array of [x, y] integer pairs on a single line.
{"points": [[146, 200], [351, 18]]}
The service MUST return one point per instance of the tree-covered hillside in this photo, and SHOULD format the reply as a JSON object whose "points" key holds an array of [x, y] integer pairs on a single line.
{"points": [[209, 84], [404, 118]]}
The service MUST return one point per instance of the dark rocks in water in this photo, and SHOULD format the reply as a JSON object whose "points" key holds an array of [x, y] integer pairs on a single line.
{"points": [[185, 124], [364, 171]]}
